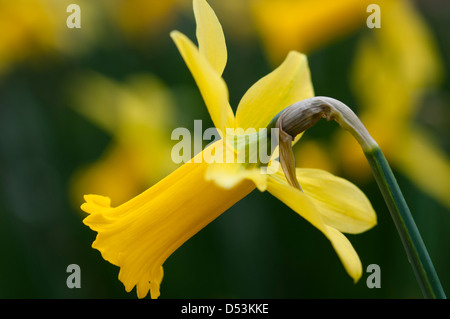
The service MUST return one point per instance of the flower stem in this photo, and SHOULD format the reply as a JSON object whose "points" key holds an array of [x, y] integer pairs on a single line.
{"points": [[406, 227], [302, 115]]}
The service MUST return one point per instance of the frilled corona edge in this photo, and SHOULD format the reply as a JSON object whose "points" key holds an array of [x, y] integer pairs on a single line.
{"points": [[139, 235]]}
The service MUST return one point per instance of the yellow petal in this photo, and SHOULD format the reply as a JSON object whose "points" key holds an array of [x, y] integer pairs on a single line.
{"points": [[341, 204], [287, 84], [139, 235], [296, 200], [305, 207], [210, 83], [346, 253], [211, 40]]}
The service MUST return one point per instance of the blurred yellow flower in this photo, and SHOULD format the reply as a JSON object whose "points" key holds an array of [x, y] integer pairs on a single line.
{"points": [[139, 235], [314, 154], [142, 18], [393, 69], [25, 29], [137, 114], [305, 25], [34, 28]]}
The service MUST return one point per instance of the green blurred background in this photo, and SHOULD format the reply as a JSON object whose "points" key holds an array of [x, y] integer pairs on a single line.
{"points": [[61, 97]]}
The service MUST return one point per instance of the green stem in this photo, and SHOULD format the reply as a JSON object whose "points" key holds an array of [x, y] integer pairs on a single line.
{"points": [[406, 227], [301, 115]]}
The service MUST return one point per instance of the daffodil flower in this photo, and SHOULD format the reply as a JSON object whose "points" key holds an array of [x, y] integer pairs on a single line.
{"points": [[305, 25], [139, 235], [142, 18], [37, 29]]}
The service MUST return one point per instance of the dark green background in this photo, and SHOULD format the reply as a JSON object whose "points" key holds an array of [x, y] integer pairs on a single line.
{"points": [[257, 249]]}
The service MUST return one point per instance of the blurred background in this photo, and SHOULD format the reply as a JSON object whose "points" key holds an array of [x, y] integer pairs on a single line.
{"points": [[92, 109]]}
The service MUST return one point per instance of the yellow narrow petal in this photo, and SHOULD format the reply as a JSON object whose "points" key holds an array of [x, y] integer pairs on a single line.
{"points": [[306, 208], [211, 85], [346, 253], [211, 40], [296, 200], [341, 204], [287, 84], [139, 235]]}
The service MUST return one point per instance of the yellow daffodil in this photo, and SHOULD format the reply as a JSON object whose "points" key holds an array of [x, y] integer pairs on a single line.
{"points": [[25, 30], [37, 28], [394, 68], [139, 235], [139, 18], [305, 25]]}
